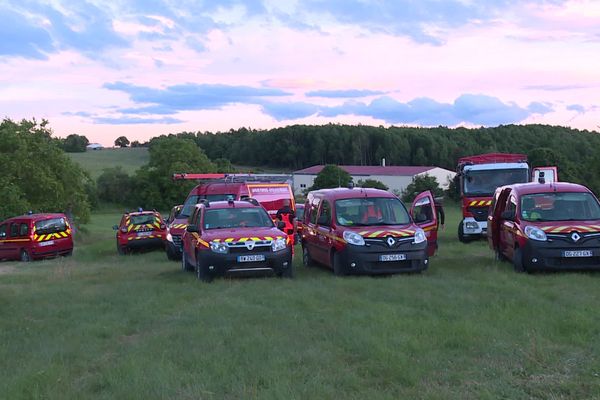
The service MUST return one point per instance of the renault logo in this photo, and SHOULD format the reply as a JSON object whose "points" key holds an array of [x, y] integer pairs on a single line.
{"points": [[575, 236], [249, 244], [390, 241]]}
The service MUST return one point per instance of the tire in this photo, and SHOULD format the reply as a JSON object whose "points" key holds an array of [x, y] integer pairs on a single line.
{"points": [[461, 234], [287, 272], [307, 260], [185, 266], [121, 250], [171, 254], [202, 273], [518, 261], [24, 256], [338, 268]]}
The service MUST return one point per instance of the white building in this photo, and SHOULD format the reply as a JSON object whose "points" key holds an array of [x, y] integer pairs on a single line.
{"points": [[396, 178], [94, 146]]}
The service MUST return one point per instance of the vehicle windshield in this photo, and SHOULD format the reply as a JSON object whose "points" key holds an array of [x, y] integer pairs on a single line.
{"points": [[237, 218], [371, 211], [142, 219], [485, 182], [579, 206], [51, 226]]}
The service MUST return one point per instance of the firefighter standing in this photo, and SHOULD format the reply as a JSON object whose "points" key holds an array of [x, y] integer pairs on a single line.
{"points": [[288, 217]]}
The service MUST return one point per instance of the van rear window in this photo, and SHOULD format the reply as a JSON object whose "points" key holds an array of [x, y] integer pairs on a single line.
{"points": [[51, 225], [142, 219]]}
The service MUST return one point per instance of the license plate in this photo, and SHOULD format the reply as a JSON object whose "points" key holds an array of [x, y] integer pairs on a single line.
{"points": [[144, 234], [578, 253], [47, 243], [392, 257], [251, 258]]}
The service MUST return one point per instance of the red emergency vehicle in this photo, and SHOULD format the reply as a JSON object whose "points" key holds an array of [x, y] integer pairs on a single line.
{"points": [[35, 236], [222, 187], [358, 230], [479, 176], [140, 230], [234, 238], [546, 226]]}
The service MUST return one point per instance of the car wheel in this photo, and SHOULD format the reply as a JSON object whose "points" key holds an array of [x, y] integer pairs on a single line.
{"points": [[185, 266], [461, 234], [202, 272], [171, 254], [287, 272], [25, 257], [338, 268], [518, 261], [121, 249], [307, 260]]}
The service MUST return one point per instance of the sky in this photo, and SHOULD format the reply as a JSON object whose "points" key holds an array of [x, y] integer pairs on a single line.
{"points": [[143, 68]]}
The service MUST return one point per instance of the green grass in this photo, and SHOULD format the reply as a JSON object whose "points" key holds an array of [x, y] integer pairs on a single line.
{"points": [[94, 161], [102, 326]]}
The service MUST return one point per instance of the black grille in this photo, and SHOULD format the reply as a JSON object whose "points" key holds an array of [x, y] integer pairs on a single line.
{"points": [[479, 213], [177, 240]]}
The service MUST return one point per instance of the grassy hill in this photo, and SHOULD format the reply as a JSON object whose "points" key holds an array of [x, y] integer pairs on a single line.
{"points": [[99, 325], [95, 161]]}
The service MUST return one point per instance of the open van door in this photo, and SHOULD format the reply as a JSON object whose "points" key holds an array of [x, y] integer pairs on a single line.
{"points": [[550, 174], [424, 214], [494, 217]]}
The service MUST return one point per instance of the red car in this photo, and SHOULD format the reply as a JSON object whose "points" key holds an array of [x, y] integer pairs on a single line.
{"points": [[140, 230], [545, 226], [176, 224], [234, 238], [369, 231], [35, 236]]}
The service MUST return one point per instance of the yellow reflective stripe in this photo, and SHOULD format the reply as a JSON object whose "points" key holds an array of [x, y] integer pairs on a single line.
{"points": [[243, 239], [229, 240], [268, 238], [256, 239], [375, 234]]}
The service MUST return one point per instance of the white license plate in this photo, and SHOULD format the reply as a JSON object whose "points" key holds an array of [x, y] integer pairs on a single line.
{"points": [[142, 234], [251, 258], [392, 257], [47, 243], [578, 253]]}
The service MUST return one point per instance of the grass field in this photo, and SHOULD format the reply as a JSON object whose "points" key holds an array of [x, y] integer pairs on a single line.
{"points": [[102, 326], [95, 161]]}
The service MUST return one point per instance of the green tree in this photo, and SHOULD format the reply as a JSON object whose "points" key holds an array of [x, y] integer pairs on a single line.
{"points": [[372, 183], [37, 174], [75, 143], [331, 176], [114, 185], [421, 183], [121, 141]]}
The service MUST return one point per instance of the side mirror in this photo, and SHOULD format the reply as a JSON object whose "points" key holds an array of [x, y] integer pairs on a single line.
{"points": [[508, 215], [281, 225], [115, 227], [192, 229]]}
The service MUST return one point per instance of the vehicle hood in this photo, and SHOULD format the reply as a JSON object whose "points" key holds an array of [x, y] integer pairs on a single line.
{"points": [[178, 226], [591, 226], [378, 231], [242, 234]]}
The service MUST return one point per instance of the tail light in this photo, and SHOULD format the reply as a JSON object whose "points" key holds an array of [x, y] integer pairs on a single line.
{"points": [[124, 230]]}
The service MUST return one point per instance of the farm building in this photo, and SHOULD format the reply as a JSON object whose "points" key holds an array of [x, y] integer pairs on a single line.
{"points": [[94, 146], [396, 178]]}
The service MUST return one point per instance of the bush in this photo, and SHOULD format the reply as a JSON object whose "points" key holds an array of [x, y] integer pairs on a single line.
{"points": [[372, 183], [114, 186], [331, 176], [75, 144], [421, 183]]}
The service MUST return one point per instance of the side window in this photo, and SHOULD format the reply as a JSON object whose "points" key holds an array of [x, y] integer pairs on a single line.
{"points": [[3, 231], [325, 215], [314, 208], [423, 211], [14, 229], [511, 205], [23, 230]]}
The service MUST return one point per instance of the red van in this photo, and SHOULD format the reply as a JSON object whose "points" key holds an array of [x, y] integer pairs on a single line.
{"points": [[35, 236], [545, 226], [234, 238], [369, 231], [140, 230]]}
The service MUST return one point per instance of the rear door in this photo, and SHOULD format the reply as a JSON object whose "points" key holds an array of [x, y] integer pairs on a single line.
{"points": [[271, 196], [424, 213], [494, 219]]}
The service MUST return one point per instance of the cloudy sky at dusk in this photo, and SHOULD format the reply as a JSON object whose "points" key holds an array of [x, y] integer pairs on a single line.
{"points": [[148, 67]]}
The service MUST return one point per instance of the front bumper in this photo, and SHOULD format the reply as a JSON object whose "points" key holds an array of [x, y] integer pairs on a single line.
{"points": [[227, 264], [549, 255], [365, 259], [472, 227]]}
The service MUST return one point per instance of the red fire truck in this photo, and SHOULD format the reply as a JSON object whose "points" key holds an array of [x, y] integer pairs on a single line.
{"points": [[268, 190], [480, 175]]}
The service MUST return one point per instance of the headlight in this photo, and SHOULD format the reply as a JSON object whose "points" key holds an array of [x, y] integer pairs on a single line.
{"points": [[354, 238], [535, 233], [278, 244], [219, 247], [169, 237], [419, 236]]}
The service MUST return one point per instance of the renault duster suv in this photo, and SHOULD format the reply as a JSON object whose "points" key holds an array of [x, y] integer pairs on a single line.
{"points": [[234, 238]]}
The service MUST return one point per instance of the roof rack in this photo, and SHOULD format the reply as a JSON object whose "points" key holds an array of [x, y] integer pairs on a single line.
{"points": [[234, 178]]}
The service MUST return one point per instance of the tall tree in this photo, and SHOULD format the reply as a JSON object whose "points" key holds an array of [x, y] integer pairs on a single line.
{"points": [[121, 141]]}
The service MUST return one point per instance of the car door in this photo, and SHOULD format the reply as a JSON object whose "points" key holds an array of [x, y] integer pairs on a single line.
{"points": [[508, 227], [188, 238], [309, 235], [4, 244], [323, 244], [494, 218], [424, 214]]}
